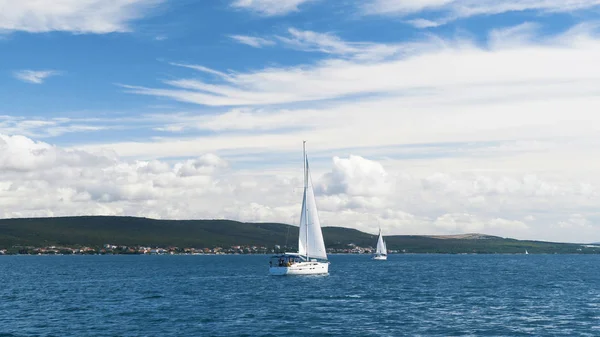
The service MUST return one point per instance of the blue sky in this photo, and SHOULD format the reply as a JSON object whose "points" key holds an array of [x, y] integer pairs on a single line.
{"points": [[90, 67], [426, 116]]}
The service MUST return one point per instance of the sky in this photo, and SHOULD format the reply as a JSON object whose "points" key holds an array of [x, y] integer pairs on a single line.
{"points": [[420, 116]]}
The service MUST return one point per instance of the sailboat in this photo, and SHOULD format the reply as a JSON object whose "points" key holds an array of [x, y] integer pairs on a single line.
{"points": [[311, 257], [526, 252], [381, 250]]}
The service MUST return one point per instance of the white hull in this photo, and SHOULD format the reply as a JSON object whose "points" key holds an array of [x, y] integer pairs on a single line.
{"points": [[301, 268], [380, 257]]}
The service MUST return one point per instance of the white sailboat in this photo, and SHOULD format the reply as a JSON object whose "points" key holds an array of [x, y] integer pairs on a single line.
{"points": [[311, 257], [381, 250], [526, 252]]}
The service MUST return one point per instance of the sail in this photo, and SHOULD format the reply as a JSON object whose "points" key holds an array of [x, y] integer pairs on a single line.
{"points": [[310, 241], [381, 249]]}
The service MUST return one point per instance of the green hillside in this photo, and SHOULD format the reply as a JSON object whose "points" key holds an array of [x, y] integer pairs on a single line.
{"points": [[96, 231]]}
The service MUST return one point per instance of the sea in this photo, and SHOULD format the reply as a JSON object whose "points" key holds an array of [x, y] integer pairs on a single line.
{"points": [[233, 295]]}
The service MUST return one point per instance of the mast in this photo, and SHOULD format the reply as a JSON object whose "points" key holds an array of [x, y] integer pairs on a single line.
{"points": [[305, 190], [377, 250]]}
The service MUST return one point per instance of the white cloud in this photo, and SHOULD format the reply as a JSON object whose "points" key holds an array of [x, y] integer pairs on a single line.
{"points": [[466, 8], [171, 128], [270, 7], [445, 11], [48, 127], [451, 223], [35, 76], [18, 153], [255, 212], [449, 92], [575, 222], [418, 70], [508, 225], [253, 41], [80, 182], [313, 41], [77, 16], [461, 136], [331, 44], [206, 164], [403, 6], [459, 222], [356, 176], [37, 178], [519, 35], [328, 43], [424, 23], [202, 69]]}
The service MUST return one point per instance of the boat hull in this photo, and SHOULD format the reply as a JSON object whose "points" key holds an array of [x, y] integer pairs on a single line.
{"points": [[302, 268], [380, 257]]}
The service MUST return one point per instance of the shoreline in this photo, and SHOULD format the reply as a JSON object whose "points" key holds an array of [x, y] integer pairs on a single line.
{"points": [[329, 254]]}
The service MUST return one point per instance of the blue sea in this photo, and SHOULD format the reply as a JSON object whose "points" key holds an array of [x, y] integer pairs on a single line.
{"points": [[408, 295]]}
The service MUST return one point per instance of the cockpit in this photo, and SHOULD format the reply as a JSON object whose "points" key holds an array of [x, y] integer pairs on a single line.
{"points": [[285, 260]]}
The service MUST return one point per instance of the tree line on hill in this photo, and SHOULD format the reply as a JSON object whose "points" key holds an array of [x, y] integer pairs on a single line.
{"points": [[96, 231]]}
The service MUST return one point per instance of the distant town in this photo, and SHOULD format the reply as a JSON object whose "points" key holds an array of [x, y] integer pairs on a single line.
{"points": [[111, 249]]}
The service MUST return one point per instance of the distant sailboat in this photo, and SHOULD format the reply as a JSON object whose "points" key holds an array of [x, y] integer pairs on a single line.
{"points": [[311, 257], [526, 252], [381, 250]]}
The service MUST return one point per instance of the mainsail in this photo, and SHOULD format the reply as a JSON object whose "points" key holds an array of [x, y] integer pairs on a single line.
{"points": [[381, 248], [310, 241]]}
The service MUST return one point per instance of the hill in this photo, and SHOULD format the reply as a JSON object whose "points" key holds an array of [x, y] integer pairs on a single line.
{"points": [[96, 231]]}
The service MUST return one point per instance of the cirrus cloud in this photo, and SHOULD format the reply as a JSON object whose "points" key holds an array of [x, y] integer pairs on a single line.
{"points": [[77, 16], [35, 76], [270, 7], [253, 41], [441, 12]]}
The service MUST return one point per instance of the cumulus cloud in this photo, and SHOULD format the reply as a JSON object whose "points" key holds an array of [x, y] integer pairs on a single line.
{"points": [[575, 221], [459, 222], [18, 153], [77, 16], [40, 179], [356, 176], [35, 76], [460, 134], [469, 223], [206, 164], [447, 153]]}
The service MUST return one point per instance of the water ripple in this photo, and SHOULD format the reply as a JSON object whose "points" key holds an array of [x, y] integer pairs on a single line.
{"points": [[408, 295]]}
